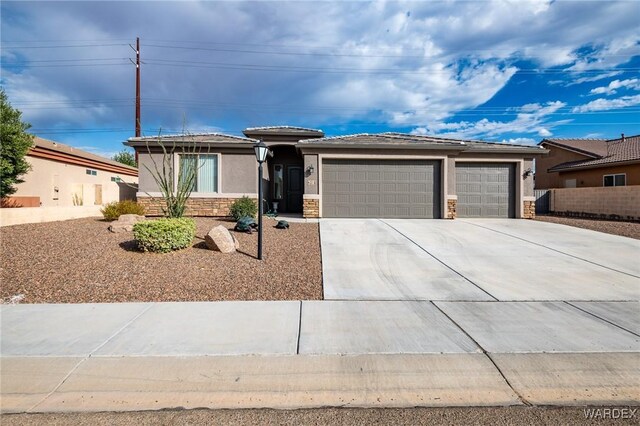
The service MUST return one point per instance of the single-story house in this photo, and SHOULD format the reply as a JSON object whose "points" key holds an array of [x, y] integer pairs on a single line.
{"points": [[387, 175], [579, 163], [63, 176]]}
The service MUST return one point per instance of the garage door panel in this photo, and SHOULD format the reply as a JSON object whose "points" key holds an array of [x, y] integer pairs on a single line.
{"points": [[485, 189], [388, 188]]}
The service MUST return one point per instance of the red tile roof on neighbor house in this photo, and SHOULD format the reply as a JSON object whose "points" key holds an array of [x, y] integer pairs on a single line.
{"points": [[610, 152]]}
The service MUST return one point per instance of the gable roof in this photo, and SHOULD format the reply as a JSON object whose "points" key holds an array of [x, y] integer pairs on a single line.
{"points": [[621, 150], [590, 147], [44, 148]]}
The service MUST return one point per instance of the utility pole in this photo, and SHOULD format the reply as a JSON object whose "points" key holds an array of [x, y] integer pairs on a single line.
{"points": [[138, 133]]}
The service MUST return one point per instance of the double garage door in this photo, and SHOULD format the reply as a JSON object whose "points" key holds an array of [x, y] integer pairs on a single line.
{"points": [[381, 188], [412, 189]]}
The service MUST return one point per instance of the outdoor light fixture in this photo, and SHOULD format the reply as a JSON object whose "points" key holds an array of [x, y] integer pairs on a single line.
{"points": [[309, 170], [261, 151], [527, 173]]}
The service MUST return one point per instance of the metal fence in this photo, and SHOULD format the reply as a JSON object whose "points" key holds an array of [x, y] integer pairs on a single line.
{"points": [[542, 200]]}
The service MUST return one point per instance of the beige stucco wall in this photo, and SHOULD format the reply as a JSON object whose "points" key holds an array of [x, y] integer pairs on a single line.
{"points": [[71, 179], [594, 177], [623, 201], [546, 180]]}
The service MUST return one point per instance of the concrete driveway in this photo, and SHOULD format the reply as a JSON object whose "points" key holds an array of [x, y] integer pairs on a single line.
{"points": [[475, 260]]}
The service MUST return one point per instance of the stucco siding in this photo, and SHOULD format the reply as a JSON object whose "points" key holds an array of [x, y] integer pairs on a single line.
{"points": [[240, 173], [546, 180], [593, 177], [73, 184], [145, 168], [311, 181]]}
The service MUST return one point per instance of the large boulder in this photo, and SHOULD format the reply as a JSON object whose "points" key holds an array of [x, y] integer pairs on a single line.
{"points": [[219, 238], [125, 223]]}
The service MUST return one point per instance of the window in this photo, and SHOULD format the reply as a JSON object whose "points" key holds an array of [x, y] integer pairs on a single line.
{"points": [[92, 172], [207, 171], [116, 179], [278, 181], [614, 180]]}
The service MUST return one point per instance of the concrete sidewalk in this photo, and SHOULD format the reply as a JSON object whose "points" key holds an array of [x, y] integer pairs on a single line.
{"points": [[139, 356]]}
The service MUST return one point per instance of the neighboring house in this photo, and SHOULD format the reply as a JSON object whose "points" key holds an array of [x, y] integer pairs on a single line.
{"points": [[577, 163], [62, 176], [365, 175]]}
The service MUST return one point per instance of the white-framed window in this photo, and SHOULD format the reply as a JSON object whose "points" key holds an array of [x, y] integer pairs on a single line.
{"points": [[116, 179], [92, 172], [619, 179], [207, 166]]}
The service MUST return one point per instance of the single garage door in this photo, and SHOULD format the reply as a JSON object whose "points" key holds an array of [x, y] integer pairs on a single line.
{"points": [[381, 188], [485, 189]]}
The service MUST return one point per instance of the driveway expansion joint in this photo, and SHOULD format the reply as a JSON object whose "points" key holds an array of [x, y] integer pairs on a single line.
{"points": [[440, 261], [550, 248], [484, 351], [602, 319]]}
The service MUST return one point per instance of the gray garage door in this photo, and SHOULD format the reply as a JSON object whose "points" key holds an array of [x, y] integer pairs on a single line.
{"points": [[381, 188], [485, 189]]}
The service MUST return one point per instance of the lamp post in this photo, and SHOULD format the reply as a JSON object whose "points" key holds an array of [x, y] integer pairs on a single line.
{"points": [[261, 151]]}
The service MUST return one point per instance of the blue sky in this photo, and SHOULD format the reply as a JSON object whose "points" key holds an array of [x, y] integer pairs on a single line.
{"points": [[513, 72]]}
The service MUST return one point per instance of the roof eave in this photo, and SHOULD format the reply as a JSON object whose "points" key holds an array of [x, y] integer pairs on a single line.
{"points": [[594, 166], [442, 147]]}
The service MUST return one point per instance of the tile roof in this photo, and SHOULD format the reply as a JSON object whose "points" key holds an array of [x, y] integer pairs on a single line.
{"points": [[589, 147], [277, 129], [39, 142], [617, 151], [210, 137], [404, 139]]}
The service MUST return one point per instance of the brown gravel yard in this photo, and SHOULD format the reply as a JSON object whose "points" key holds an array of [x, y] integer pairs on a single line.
{"points": [[625, 229], [80, 261]]}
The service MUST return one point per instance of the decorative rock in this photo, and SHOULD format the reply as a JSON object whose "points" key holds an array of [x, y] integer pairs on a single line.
{"points": [[125, 223], [220, 239]]}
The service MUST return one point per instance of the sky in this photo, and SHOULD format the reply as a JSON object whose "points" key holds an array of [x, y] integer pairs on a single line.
{"points": [[504, 71]]}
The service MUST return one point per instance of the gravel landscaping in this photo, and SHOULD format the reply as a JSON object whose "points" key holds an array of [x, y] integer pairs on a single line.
{"points": [[80, 261], [625, 229]]}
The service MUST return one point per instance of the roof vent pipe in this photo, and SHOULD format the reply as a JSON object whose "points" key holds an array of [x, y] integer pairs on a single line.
{"points": [[622, 137]]}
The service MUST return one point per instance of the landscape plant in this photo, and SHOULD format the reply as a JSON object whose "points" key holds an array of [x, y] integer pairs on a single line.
{"points": [[165, 234], [15, 145], [114, 210], [243, 207], [175, 191]]}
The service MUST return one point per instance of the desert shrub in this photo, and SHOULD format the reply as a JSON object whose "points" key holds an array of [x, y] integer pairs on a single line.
{"points": [[164, 235], [112, 211], [243, 207]]}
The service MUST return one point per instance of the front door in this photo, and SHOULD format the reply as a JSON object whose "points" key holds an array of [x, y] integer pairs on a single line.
{"points": [[295, 189]]}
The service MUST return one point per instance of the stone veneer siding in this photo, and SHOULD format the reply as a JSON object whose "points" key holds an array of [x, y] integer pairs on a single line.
{"points": [[311, 208], [451, 209], [529, 210], [214, 207]]}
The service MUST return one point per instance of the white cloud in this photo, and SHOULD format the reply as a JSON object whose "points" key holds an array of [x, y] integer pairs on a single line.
{"points": [[520, 141], [531, 118], [612, 88], [607, 104]]}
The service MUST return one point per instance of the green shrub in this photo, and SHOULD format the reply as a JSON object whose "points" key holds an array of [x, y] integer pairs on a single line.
{"points": [[243, 207], [112, 211], [164, 235]]}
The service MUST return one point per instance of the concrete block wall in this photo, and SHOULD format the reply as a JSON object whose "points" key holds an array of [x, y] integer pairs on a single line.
{"points": [[619, 202]]}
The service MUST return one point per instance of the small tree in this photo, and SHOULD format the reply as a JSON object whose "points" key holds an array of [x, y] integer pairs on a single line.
{"points": [[175, 192], [125, 157], [15, 145]]}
